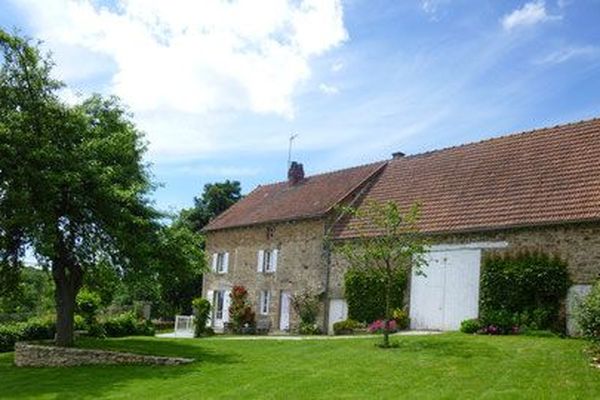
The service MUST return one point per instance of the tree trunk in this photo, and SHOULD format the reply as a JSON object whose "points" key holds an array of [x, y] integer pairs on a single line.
{"points": [[386, 322], [68, 280]]}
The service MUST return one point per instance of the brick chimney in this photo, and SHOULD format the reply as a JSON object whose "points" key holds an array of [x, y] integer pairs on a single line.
{"points": [[295, 173], [398, 154]]}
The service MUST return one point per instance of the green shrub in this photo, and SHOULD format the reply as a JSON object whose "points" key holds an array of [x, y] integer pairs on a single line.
{"points": [[365, 294], [470, 326], [202, 309], [588, 315], [306, 304], [39, 329], [9, 335], [33, 329], [401, 317], [125, 324], [88, 304], [242, 318], [347, 327], [307, 328], [524, 289]]}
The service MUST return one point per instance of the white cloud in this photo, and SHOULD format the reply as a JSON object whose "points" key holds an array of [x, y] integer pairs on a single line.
{"points": [[530, 14], [328, 89], [568, 53], [185, 58], [337, 67]]}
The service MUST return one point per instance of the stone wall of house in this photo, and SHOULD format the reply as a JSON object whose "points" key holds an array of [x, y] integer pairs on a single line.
{"points": [[30, 355], [300, 262], [578, 244]]}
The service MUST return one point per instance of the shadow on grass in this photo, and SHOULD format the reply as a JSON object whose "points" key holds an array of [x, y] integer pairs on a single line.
{"points": [[96, 380], [447, 348]]}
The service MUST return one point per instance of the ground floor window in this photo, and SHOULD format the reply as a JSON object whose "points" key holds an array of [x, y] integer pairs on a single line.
{"points": [[265, 298], [219, 302]]}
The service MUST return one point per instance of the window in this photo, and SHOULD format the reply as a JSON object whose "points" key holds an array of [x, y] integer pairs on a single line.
{"points": [[267, 260], [219, 303], [220, 262], [265, 298]]}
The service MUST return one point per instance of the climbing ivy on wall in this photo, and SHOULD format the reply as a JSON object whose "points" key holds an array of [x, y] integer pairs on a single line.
{"points": [[527, 288], [364, 293]]}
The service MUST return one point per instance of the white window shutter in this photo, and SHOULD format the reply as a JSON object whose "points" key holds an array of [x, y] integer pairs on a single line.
{"points": [[214, 263], [274, 260], [226, 262], [261, 256], [210, 297], [226, 302]]}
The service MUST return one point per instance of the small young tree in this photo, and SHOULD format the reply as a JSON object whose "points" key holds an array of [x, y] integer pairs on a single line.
{"points": [[396, 245]]}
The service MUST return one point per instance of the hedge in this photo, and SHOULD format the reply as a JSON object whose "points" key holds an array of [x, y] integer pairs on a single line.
{"points": [[44, 329], [365, 294], [588, 315], [525, 289]]}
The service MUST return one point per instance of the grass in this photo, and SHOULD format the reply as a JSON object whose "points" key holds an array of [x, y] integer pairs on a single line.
{"points": [[445, 366]]}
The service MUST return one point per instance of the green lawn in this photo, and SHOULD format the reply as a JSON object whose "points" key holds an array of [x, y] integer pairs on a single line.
{"points": [[449, 366]]}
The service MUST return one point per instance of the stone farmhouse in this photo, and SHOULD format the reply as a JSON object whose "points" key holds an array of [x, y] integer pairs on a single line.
{"points": [[532, 190]]}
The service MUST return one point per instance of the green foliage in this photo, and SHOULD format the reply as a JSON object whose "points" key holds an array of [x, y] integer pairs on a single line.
{"points": [[88, 304], [588, 315], [347, 327], [126, 324], [470, 325], [179, 264], [365, 293], [523, 289], [9, 335], [32, 293], [105, 280], [307, 328], [33, 329], [202, 310], [401, 317], [306, 304], [240, 311], [216, 198], [386, 254], [73, 180]]}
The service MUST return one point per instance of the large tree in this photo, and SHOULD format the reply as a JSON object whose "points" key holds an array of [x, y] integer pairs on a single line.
{"points": [[73, 186], [216, 198], [395, 245]]}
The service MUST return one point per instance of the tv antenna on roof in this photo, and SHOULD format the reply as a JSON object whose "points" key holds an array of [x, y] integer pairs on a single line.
{"points": [[292, 137]]}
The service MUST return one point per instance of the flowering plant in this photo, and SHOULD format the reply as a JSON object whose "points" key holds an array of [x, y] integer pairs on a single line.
{"points": [[379, 326]]}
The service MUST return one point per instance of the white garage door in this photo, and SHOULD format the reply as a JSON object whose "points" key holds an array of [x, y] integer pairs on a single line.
{"points": [[449, 293]]}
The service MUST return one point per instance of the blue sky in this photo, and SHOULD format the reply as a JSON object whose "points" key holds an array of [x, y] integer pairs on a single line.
{"points": [[218, 87]]}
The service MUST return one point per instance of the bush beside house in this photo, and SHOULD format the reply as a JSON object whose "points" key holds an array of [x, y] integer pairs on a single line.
{"points": [[520, 292]]}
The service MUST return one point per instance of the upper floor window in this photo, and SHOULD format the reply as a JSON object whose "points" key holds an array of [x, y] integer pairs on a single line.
{"points": [[267, 260], [220, 262]]}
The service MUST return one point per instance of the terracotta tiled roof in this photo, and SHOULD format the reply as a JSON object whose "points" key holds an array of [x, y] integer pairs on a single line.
{"points": [[545, 176], [313, 197]]}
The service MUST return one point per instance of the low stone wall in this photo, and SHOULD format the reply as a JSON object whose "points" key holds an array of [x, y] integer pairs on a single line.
{"points": [[33, 355]]}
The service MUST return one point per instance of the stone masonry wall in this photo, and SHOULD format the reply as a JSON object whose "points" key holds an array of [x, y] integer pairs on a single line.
{"points": [[30, 355], [300, 262], [578, 244]]}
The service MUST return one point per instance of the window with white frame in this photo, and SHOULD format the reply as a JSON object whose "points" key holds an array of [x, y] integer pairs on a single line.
{"points": [[220, 262], [265, 298], [267, 260], [219, 302]]}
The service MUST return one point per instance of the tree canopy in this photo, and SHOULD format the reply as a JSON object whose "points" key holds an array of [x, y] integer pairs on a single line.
{"points": [[399, 247], [216, 198], [73, 185]]}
